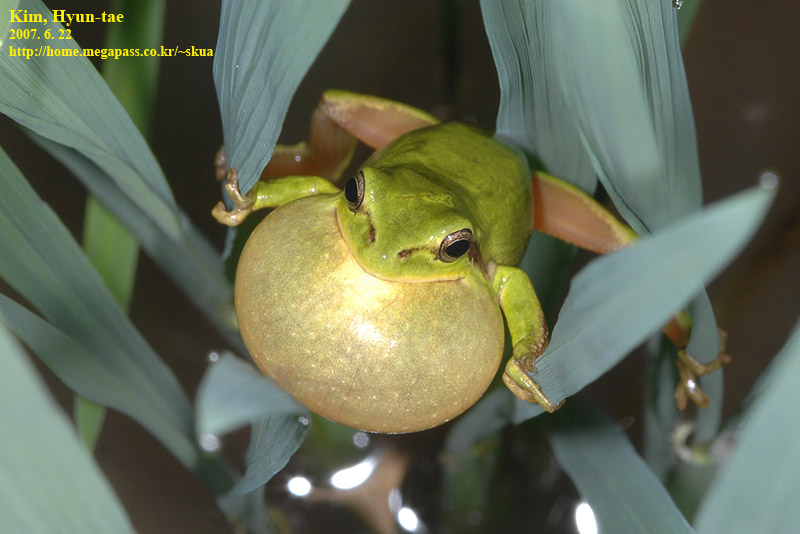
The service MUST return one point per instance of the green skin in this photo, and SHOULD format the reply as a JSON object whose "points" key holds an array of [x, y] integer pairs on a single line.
{"points": [[424, 186], [432, 185]]}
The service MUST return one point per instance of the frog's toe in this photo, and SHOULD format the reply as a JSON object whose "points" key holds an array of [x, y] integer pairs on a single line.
{"points": [[521, 385]]}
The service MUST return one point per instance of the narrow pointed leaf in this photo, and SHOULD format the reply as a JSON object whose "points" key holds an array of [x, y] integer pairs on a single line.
{"points": [[625, 496], [532, 110], [758, 488], [621, 75], [621, 298], [109, 361], [73, 115], [274, 440], [6, 6], [48, 482], [234, 393], [263, 51], [190, 260], [65, 100]]}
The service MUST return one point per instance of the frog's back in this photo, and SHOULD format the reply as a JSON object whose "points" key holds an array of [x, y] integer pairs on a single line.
{"points": [[490, 181]]}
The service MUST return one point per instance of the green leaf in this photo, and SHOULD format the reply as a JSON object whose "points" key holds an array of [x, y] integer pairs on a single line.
{"points": [[89, 417], [758, 487], [111, 249], [104, 378], [88, 342], [275, 439], [190, 260], [264, 49], [625, 496], [532, 112], [619, 299], [77, 119], [48, 482], [661, 414], [232, 394], [65, 100], [5, 7], [621, 75]]}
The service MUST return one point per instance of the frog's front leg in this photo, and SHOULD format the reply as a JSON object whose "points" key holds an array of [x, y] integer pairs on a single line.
{"points": [[269, 194], [528, 330], [564, 211]]}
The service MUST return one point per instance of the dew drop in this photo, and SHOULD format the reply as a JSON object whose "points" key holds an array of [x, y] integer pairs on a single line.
{"points": [[360, 439], [213, 357], [677, 4], [209, 442], [768, 180]]}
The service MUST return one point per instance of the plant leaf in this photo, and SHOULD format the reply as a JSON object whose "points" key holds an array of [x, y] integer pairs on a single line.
{"points": [[48, 483], [532, 112], [622, 77], [620, 298], [5, 7], [190, 261], [264, 49], [91, 344], [66, 101], [77, 119], [625, 496], [275, 439], [757, 489], [233, 393]]}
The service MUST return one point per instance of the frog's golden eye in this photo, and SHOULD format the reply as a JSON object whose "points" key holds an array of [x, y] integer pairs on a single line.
{"points": [[354, 191], [455, 245]]}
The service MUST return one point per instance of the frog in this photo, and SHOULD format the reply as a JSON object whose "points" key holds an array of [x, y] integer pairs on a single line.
{"points": [[383, 304]]}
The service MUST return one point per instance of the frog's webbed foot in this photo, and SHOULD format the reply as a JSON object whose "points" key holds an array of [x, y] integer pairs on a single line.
{"points": [[689, 369], [243, 204], [516, 376], [517, 380]]}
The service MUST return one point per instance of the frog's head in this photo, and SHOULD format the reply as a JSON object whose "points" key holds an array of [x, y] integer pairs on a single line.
{"points": [[400, 226]]}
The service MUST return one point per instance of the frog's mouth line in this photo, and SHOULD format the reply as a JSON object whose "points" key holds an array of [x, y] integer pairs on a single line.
{"points": [[380, 276]]}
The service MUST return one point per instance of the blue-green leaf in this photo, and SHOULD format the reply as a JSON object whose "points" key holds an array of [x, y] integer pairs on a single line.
{"points": [[74, 116], [263, 51], [89, 342], [625, 496], [233, 393], [758, 487], [190, 260], [6, 6], [619, 299], [275, 439], [622, 77], [48, 482], [65, 100], [533, 113]]}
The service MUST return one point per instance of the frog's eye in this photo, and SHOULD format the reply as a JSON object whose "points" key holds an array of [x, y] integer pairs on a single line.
{"points": [[354, 191], [455, 245]]}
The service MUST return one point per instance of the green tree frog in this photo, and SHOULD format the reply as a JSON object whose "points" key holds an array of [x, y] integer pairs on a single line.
{"points": [[381, 305]]}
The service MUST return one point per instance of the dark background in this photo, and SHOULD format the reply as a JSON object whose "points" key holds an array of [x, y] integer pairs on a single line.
{"points": [[742, 67]]}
